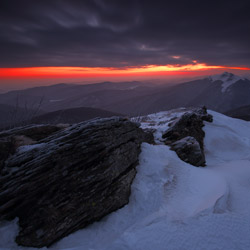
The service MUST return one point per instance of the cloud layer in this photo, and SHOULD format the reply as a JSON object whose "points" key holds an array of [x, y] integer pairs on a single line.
{"points": [[111, 33]]}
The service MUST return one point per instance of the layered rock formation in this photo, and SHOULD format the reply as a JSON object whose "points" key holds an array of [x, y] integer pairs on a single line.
{"points": [[11, 139], [185, 136], [70, 179]]}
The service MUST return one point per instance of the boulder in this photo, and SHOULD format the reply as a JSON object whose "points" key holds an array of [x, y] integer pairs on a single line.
{"points": [[189, 125], [188, 149], [70, 179]]}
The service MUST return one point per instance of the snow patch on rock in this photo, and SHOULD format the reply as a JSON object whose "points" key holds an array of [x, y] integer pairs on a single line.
{"points": [[25, 148]]}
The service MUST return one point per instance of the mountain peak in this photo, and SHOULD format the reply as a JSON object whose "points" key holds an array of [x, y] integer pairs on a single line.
{"points": [[227, 74], [227, 79]]}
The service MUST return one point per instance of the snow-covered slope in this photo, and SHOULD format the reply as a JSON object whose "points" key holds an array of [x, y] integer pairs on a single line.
{"points": [[174, 205], [227, 79]]}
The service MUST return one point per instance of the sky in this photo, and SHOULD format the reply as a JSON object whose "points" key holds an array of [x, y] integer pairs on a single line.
{"points": [[69, 40]]}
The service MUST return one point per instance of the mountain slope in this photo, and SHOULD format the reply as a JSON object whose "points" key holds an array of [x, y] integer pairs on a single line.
{"points": [[220, 93], [61, 96], [98, 99], [241, 113], [223, 95], [166, 98], [10, 115], [71, 116]]}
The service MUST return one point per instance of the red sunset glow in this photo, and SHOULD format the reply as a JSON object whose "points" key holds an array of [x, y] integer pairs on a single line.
{"points": [[77, 72]]}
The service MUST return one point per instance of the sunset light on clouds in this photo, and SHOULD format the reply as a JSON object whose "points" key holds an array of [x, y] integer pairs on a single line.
{"points": [[77, 72], [88, 41]]}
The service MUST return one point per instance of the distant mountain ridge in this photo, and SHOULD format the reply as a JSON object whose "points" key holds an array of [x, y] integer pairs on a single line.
{"points": [[220, 93], [62, 96], [210, 92], [73, 115]]}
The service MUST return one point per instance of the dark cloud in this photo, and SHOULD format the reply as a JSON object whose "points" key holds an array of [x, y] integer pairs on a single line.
{"points": [[120, 33]]}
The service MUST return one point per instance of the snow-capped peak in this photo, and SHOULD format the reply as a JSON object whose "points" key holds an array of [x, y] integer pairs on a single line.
{"points": [[227, 79]]}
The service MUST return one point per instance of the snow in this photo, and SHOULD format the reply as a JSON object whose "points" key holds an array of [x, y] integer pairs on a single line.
{"points": [[30, 147], [228, 79], [160, 121], [174, 205]]}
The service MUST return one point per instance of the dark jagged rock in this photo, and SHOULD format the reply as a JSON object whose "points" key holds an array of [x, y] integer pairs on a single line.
{"points": [[189, 125], [149, 135], [11, 139], [6, 149], [188, 149], [70, 179]]}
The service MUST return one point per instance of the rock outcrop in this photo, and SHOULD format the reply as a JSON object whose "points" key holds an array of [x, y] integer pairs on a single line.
{"points": [[185, 136], [11, 139], [188, 149], [70, 179]]}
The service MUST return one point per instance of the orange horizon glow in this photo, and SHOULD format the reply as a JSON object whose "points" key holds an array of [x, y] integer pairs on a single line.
{"points": [[77, 72]]}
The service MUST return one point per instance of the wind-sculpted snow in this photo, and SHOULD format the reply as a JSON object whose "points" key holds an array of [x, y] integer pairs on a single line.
{"points": [[174, 205]]}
